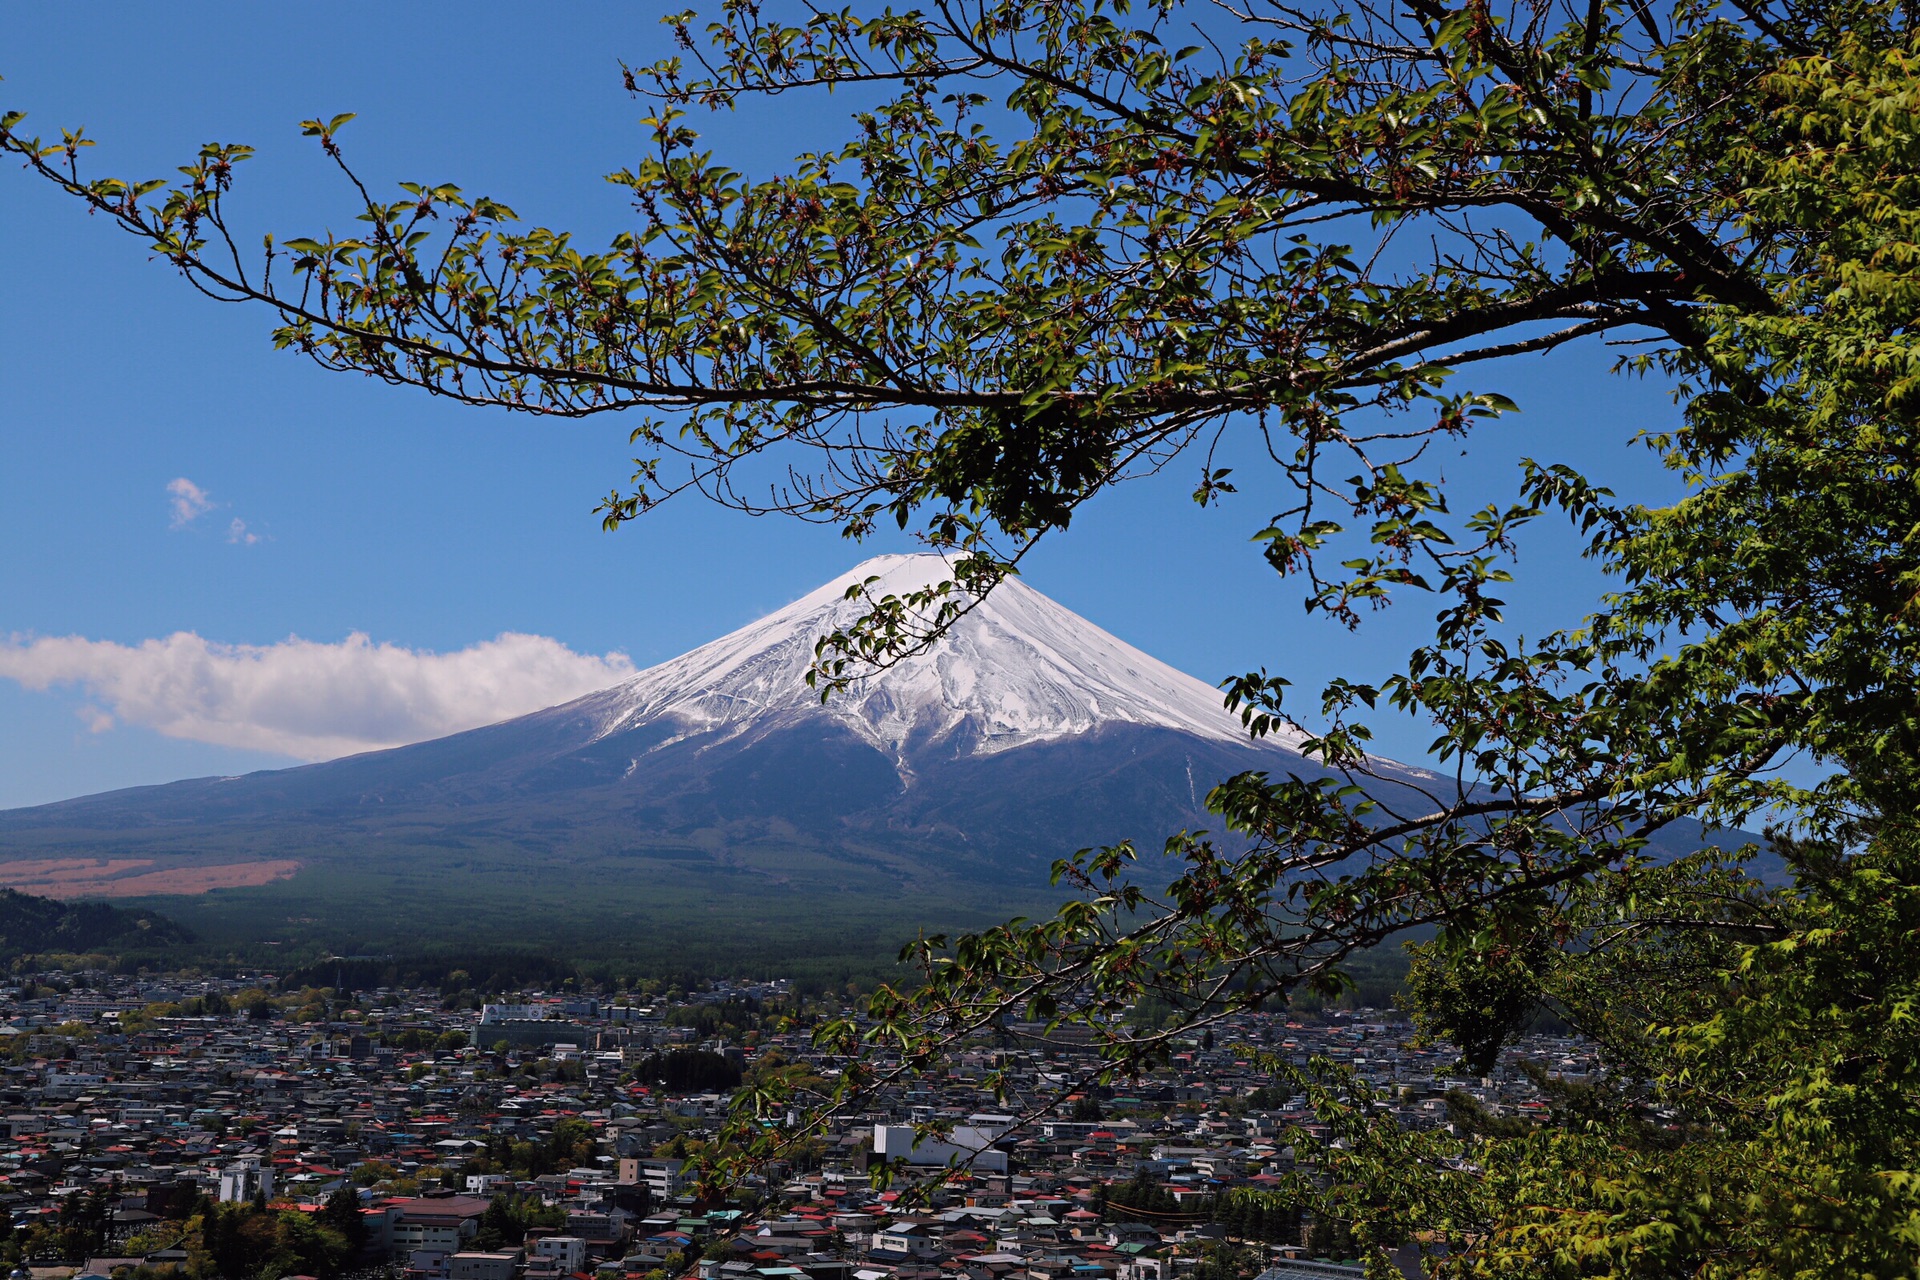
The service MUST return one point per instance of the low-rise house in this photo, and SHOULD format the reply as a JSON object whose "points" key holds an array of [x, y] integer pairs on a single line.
{"points": [[500, 1265]]}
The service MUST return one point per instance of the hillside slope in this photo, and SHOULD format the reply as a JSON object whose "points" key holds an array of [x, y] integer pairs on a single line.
{"points": [[711, 800], [31, 925]]}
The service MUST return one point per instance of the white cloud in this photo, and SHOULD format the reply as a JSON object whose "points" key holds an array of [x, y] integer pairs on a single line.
{"points": [[306, 699], [188, 500], [237, 533]]}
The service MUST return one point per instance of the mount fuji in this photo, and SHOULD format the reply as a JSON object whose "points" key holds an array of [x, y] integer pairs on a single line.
{"points": [[1016, 670], [711, 802]]}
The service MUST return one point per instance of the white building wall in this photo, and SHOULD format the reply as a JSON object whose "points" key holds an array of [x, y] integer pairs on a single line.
{"points": [[971, 1145], [569, 1251]]}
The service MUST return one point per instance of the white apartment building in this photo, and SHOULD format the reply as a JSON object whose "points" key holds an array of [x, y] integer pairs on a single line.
{"points": [[243, 1181], [569, 1252]]}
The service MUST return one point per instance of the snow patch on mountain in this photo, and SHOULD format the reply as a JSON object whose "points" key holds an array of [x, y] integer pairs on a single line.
{"points": [[1016, 669]]}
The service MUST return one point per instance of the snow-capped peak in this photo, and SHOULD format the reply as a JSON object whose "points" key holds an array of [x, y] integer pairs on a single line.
{"points": [[1017, 668]]}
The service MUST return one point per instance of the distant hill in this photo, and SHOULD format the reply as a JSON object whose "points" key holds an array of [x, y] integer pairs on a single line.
{"points": [[33, 926], [709, 810]]}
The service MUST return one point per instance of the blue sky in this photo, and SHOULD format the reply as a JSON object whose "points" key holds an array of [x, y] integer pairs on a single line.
{"points": [[424, 526]]}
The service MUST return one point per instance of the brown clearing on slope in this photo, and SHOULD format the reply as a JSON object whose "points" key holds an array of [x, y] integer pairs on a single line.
{"points": [[110, 878]]}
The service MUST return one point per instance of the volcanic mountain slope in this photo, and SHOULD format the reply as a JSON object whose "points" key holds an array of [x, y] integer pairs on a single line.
{"points": [[713, 790]]}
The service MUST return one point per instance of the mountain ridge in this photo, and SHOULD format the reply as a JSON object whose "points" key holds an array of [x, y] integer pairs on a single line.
{"points": [[712, 796], [1016, 666]]}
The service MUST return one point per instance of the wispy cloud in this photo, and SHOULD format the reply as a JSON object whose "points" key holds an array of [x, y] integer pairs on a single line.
{"points": [[307, 699], [187, 500]]}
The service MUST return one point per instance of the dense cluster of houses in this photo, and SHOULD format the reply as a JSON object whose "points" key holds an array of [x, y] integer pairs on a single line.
{"points": [[149, 1093]]}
